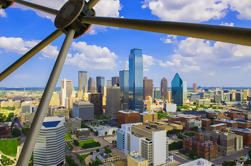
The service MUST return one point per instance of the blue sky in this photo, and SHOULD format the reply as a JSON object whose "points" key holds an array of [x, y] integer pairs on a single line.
{"points": [[105, 50]]}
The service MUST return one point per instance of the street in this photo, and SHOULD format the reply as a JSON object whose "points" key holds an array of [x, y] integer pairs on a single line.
{"points": [[231, 157]]}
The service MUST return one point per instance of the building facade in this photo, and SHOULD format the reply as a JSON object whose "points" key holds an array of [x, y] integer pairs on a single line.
{"points": [[91, 85], [178, 90], [82, 81], [136, 80], [50, 144], [115, 81], [124, 88], [164, 88], [112, 101], [100, 83], [83, 110], [147, 88]]}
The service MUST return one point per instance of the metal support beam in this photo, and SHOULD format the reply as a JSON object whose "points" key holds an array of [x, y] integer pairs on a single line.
{"points": [[226, 34], [38, 7], [92, 3], [30, 54], [44, 102]]}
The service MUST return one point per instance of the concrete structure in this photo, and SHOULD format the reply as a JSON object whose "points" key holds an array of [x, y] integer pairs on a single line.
{"points": [[246, 133], [112, 102], [60, 111], [124, 89], [128, 117], [50, 144], [133, 159], [218, 126], [105, 130], [147, 88], [191, 123], [148, 117], [67, 91], [28, 107], [198, 162], [83, 110], [157, 93], [170, 107], [96, 100], [115, 81], [163, 88], [73, 124], [91, 85], [100, 83], [82, 81], [136, 80], [206, 124], [150, 143], [83, 133], [108, 83]]}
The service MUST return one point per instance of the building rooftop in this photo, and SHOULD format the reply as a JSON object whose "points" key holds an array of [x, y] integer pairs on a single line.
{"points": [[246, 130], [219, 124], [53, 122], [226, 121], [128, 112], [148, 128], [198, 162]]}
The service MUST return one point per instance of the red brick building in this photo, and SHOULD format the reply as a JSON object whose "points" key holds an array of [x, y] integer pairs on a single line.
{"points": [[206, 124], [128, 117], [246, 133], [206, 149]]}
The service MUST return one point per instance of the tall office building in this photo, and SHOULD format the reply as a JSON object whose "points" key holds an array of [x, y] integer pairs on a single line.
{"points": [[67, 91], [157, 93], [82, 81], [164, 88], [124, 88], [100, 83], [147, 88], [194, 87], [50, 144], [91, 85], [148, 141], [96, 100], [178, 90], [112, 101], [136, 80], [109, 83], [115, 81], [83, 109]]}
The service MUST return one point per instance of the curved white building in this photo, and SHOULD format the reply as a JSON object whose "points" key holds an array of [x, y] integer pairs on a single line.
{"points": [[50, 144]]}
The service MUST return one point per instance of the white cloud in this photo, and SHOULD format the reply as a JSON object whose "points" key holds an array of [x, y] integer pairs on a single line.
{"points": [[148, 61], [243, 7], [2, 13], [187, 10], [169, 39], [208, 57], [92, 57], [231, 24]]}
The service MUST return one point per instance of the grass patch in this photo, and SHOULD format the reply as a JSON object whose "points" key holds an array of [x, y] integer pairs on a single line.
{"points": [[9, 147], [81, 143], [67, 137]]}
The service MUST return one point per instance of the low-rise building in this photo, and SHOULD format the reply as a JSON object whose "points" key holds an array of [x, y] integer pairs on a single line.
{"points": [[5, 130], [206, 124], [246, 133], [191, 123], [73, 124], [130, 116], [170, 107], [105, 130], [60, 111], [218, 126], [148, 117], [83, 109], [83, 133], [198, 162], [133, 159]]}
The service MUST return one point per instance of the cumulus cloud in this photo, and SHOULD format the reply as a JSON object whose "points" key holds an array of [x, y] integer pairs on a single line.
{"points": [[208, 57], [197, 11], [169, 39], [92, 57], [148, 61], [187, 10]]}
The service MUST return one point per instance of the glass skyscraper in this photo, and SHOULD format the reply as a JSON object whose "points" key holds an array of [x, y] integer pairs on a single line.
{"points": [[124, 88], [136, 80], [100, 83], [178, 90], [82, 81]]}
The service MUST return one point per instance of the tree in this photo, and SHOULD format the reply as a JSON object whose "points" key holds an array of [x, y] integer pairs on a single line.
{"points": [[229, 163], [113, 132], [16, 132], [76, 143], [176, 145], [106, 133]]}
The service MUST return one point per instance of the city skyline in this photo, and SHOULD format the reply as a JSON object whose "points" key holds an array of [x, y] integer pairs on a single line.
{"points": [[210, 64]]}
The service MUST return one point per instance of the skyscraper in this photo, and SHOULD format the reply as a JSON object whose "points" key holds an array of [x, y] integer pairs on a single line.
{"points": [[91, 85], [163, 88], [136, 80], [124, 88], [112, 102], [194, 87], [178, 90], [100, 82], [82, 81], [147, 88], [50, 144], [115, 81], [66, 92], [109, 83]]}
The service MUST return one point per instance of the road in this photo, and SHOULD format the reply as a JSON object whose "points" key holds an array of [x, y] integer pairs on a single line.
{"points": [[231, 157], [179, 159]]}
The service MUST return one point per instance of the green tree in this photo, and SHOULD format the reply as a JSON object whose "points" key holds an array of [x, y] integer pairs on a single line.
{"points": [[229, 163], [16, 132]]}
